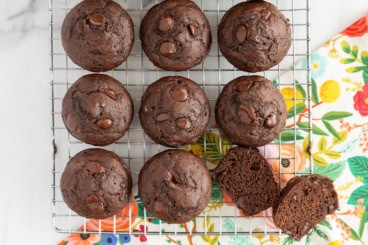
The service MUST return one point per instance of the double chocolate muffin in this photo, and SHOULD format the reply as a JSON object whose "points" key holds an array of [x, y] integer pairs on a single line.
{"points": [[96, 184], [254, 36], [246, 176], [304, 203], [251, 111], [175, 186], [97, 35], [175, 35], [97, 109], [174, 111]]}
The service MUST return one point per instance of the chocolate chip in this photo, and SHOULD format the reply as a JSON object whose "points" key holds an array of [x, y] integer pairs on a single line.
{"points": [[80, 26], [271, 121], [247, 114], [331, 208], [183, 123], [104, 123], [192, 30], [162, 117], [167, 48], [160, 207], [305, 192], [94, 204], [294, 197], [255, 166], [96, 19], [166, 23], [95, 167], [180, 93], [111, 94], [255, 38], [171, 178], [241, 33]]}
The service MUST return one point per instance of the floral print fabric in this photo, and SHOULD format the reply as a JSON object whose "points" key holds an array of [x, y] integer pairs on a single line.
{"points": [[339, 105]]}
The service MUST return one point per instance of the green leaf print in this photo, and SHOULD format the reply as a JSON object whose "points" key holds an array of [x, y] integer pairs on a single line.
{"points": [[316, 130], [363, 221], [333, 170], [347, 61], [359, 193], [320, 233], [319, 161], [365, 76], [288, 136], [355, 51], [343, 136], [335, 115], [354, 235], [326, 224], [288, 241], [322, 144], [331, 129], [301, 90], [298, 109], [315, 99], [365, 57], [216, 192], [345, 47], [308, 238], [333, 154], [355, 69], [215, 149], [359, 167]]}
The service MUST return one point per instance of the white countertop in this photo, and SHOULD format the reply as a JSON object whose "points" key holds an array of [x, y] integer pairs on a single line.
{"points": [[25, 122]]}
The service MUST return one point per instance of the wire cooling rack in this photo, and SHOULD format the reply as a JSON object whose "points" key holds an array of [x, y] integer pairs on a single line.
{"points": [[136, 74]]}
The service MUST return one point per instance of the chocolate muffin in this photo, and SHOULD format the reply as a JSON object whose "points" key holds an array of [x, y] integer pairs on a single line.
{"points": [[304, 203], [174, 186], [174, 111], [97, 109], [97, 35], [245, 175], [175, 35], [96, 184], [251, 111], [254, 36]]}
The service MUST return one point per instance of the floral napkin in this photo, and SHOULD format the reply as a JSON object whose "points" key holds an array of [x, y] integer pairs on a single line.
{"points": [[339, 151]]}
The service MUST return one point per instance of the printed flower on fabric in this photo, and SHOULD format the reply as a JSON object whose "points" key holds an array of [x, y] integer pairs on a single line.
{"points": [[125, 238], [83, 239], [109, 240], [361, 101], [357, 29], [318, 65], [142, 237], [292, 158]]}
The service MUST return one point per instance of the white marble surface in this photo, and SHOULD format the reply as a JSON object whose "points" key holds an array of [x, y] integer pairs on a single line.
{"points": [[25, 139]]}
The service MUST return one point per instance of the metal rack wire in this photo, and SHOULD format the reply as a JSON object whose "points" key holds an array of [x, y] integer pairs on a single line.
{"points": [[136, 74]]}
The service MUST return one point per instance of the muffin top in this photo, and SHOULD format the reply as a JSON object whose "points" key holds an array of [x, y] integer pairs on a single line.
{"points": [[96, 184], [174, 186], [175, 35], [97, 109], [174, 111], [254, 36], [251, 111], [97, 35]]}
